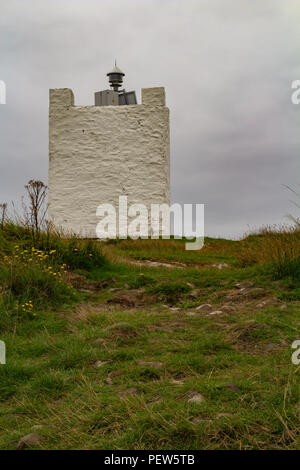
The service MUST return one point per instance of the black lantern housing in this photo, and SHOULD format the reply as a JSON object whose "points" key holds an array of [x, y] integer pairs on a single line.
{"points": [[115, 78]]}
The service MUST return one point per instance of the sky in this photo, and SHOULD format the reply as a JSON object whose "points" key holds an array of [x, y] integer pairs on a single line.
{"points": [[227, 67]]}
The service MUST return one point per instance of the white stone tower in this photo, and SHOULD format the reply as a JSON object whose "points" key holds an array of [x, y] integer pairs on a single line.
{"points": [[98, 153]]}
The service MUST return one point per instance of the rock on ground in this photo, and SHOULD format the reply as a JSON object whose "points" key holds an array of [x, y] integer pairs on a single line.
{"points": [[154, 364], [196, 397], [30, 440]]}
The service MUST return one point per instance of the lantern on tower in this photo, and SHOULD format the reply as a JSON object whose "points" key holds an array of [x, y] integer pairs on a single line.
{"points": [[115, 77], [115, 97]]}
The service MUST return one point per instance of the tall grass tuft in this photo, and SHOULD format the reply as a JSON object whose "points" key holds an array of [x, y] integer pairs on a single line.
{"points": [[278, 248]]}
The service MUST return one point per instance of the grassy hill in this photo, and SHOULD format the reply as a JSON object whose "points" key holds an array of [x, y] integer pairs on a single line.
{"points": [[143, 345]]}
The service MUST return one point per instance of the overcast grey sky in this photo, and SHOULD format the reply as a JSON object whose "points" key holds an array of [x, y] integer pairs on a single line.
{"points": [[227, 66]]}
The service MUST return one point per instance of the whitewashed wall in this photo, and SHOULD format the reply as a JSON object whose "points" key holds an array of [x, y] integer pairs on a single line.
{"points": [[97, 154]]}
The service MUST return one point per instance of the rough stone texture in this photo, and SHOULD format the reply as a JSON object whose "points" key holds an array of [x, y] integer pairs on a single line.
{"points": [[30, 440], [154, 96], [98, 153]]}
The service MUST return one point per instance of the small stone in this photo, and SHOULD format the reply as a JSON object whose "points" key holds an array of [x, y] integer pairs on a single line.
{"points": [[99, 341], [228, 308], [195, 293], [231, 386], [141, 290], [252, 292], [224, 415], [216, 312], [197, 420], [154, 399], [191, 314], [271, 347], [196, 397], [283, 307], [261, 304], [58, 401], [204, 307], [177, 381], [30, 440], [244, 285], [223, 265], [154, 364], [101, 363], [129, 391], [220, 265]]}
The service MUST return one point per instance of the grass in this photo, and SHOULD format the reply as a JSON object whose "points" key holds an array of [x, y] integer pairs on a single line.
{"points": [[112, 360], [278, 249]]}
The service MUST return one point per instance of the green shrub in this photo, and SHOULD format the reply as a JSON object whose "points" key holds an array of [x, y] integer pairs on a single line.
{"points": [[275, 248], [142, 280], [36, 277], [170, 288], [170, 291], [291, 295], [30, 281], [286, 266], [75, 253]]}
